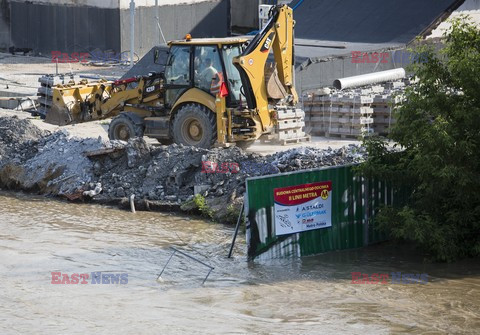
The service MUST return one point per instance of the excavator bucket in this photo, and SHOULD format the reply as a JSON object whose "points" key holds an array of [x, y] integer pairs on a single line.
{"points": [[275, 89]]}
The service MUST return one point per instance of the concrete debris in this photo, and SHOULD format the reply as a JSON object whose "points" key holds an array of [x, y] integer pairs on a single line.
{"points": [[96, 191], [16, 136], [110, 171]]}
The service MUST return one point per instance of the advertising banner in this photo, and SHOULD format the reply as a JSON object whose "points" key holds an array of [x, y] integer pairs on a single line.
{"points": [[303, 207]]}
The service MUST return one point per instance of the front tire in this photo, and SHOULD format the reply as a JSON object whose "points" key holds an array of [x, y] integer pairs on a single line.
{"points": [[195, 125], [123, 128]]}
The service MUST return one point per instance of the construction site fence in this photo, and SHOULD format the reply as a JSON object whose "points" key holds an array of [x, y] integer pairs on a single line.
{"points": [[354, 202]]}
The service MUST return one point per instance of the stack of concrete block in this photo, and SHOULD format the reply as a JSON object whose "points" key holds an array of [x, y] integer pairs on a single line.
{"points": [[45, 91], [339, 115], [352, 113], [383, 107], [290, 127]]}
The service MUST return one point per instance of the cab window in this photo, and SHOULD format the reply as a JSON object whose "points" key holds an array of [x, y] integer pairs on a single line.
{"points": [[177, 71], [234, 80], [207, 66]]}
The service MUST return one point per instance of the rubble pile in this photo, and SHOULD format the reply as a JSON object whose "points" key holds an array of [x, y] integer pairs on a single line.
{"points": [[18, 139], [172, 173], [110, 171], [61, 158], [309, 158]]}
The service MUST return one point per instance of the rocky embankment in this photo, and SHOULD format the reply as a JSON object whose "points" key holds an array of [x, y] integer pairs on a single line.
{"points": [[175, 177]]}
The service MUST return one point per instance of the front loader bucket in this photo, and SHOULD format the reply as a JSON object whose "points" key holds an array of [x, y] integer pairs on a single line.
{"points": [[61, 99], [59, 116]]}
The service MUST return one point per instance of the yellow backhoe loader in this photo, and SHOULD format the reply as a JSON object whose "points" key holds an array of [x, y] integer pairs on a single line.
{"points": [[212, 91]]}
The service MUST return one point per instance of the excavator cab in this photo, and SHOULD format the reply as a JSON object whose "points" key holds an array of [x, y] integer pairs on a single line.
{"points": [[203, 64]]}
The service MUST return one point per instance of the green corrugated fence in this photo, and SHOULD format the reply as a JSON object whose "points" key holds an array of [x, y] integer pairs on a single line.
{"points": [[318, 221]]}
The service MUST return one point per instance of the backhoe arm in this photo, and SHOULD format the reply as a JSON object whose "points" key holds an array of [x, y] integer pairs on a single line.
{"points": [[283, 51], [277, 34]]}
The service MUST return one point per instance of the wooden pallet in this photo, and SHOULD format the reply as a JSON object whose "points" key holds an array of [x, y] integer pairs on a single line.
{"points": [[341, 120], [273, 139], [307, 138], [340, 110], [342, 136]]}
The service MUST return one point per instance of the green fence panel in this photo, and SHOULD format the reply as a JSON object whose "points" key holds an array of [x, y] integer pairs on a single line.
{"points": [[354, 201]]}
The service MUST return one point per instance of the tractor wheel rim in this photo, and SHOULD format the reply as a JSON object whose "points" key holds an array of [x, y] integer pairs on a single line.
{"points": [[123, 133], [193, 131]]}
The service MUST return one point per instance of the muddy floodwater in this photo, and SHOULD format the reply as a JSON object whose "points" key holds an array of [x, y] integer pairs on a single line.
{"points": [[314, 295]]}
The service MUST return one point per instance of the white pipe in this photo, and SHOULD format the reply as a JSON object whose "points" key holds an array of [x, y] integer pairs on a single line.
{"points": [[132, 203], [369, 79], [132, 31]]}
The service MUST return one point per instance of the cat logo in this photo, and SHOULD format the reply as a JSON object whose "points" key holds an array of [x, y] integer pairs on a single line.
{"points": [[324, 194], [268, 42], [150, 89]]}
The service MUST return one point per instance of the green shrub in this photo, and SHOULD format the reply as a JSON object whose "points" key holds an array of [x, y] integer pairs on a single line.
{"points": [[438, 136]]}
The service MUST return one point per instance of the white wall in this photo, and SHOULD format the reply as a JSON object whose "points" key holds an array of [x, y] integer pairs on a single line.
{"points": [[469, 7], [148, 3], [92, 3], [113, 3]]}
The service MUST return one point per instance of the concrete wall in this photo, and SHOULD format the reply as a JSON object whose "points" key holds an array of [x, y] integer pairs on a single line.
{"points": [[244, 14], [200, 19], [4, 25], [84, 25], [124, 4], [78, 3], [46, 28]]}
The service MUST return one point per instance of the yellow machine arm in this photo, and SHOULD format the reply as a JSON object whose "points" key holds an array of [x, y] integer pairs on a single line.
{"points": [[277, 35]]}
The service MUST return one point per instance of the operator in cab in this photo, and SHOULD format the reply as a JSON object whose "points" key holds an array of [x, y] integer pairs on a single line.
{"points": [[209, 73]]}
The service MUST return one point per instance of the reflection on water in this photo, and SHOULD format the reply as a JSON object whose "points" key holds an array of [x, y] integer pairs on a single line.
{"points": [[309, 296]]}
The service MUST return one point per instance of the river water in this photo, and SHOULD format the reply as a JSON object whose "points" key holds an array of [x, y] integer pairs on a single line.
{"points": [[313, 295]]}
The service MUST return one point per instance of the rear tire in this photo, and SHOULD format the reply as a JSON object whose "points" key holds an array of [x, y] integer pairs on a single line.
{"points": [[123, 128], [195, 125]]}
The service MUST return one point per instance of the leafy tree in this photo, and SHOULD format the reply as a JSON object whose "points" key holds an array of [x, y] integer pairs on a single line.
{"points": [[437, 142]]}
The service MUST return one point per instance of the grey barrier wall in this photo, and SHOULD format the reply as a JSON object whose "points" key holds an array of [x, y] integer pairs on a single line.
{"points": [[47, 28], [203, 19], [244, 14], [68, 28], [4, 25]]}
